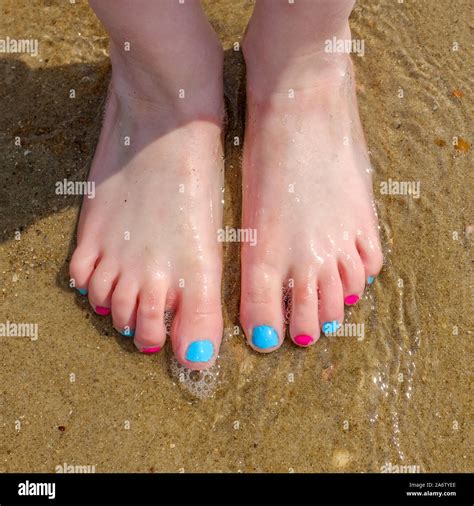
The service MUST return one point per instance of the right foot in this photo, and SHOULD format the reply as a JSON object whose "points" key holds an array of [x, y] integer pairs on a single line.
{"points": [[147, 243]]}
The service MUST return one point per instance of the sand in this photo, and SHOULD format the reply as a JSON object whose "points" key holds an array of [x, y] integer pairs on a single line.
{"points": [[81, 395]]}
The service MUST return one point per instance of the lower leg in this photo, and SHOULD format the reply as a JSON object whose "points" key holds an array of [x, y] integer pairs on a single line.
{"points": [[147, 242], [161, 49], [306, 178], [288, 42]]}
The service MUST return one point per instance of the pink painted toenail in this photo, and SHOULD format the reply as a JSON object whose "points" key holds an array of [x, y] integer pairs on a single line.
{"points": [[104, 311], [350, 300], [150, 351], [303, 340]]}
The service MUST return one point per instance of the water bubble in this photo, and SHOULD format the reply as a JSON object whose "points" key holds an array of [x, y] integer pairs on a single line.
{"points": [[200, 384]]}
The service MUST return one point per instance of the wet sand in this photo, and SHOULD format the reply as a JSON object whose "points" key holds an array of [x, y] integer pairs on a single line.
{"points": [[80, 394]]}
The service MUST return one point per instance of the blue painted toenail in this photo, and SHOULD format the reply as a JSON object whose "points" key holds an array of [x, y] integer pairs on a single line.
{"points": [[331, 327], [264, 337], [370, 280], [82, 291], [200, 351], [128, 332]]}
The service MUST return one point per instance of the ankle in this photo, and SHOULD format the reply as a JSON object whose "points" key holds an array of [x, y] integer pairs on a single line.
{"points": [[273, 69], [173, 85]]}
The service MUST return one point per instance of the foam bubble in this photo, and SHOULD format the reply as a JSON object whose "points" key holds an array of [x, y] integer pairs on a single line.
{"points": [[200, 384]]}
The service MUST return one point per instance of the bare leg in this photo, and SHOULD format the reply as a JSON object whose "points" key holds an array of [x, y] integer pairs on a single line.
{"points": [[306, 178], [147, 241]]}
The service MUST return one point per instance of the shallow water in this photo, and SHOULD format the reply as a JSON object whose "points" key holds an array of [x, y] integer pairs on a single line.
{"points": [[81, 395]]}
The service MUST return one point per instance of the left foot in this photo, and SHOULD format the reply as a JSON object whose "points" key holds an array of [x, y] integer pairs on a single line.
{"points": [[307, 191]]}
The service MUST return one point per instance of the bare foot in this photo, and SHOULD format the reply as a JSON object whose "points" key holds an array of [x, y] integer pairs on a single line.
{"points": [[307, 191], [147, 242]]}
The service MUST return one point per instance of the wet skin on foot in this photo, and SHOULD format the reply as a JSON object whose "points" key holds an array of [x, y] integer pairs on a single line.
{"points": [[174, 144], [297, 146]]}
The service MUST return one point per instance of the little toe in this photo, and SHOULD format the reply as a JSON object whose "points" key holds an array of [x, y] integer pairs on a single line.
{"points": [[371, 255], [81, 268]]}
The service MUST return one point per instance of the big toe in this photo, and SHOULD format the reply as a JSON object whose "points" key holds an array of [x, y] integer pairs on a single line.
{"points": [[197, 326], [261, 312]]}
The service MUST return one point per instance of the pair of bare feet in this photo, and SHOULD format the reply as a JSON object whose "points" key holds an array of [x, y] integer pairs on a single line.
{"points": [[148, 242]]}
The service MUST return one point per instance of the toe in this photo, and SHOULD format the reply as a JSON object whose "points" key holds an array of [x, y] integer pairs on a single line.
{"points": [[124, 306], [150, 330], [331, 305], [101, 286], [352, 274], [304, 322], [371, 256], [197, 326], [81, 268], [261, 312]]}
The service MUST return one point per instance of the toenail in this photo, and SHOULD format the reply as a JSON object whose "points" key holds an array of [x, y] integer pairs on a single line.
{"points": [[150, 351], [303, 340], [331, 327], [370, 280], [128, 332], [104, 311], [264, 337], [200, 351], [350, 300], [82, 291]]}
